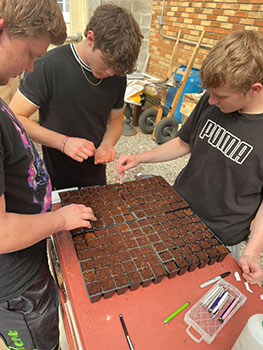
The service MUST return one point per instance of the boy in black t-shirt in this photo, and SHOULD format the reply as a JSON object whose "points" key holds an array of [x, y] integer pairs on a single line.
{"points": [[79, 91], [28, 297], [223, 180]]}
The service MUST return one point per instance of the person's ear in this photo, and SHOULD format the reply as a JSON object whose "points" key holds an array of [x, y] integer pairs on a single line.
{"points": [[90, 38], [256, 88], [1, 25]]}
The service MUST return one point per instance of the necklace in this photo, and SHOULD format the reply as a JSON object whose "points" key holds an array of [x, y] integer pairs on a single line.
{"points": [[91, 83]]}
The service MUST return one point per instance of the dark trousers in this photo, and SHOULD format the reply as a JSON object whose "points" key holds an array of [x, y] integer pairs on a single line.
{"points": [[30, 321]]}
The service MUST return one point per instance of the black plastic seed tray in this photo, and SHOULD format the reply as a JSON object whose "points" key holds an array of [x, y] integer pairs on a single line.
{"points": [[144, 231]]}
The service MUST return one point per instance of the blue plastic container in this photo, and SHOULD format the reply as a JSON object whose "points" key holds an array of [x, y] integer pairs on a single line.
{"points": [[193, 85]]}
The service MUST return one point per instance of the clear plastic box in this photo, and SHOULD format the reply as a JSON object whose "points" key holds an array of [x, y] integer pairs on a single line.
{"points": [[201, 320]]}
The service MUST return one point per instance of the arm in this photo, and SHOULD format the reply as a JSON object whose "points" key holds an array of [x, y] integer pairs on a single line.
{"points": [[76, 148], [173, 149], [18, 231], [105, 152], [248, 260]]}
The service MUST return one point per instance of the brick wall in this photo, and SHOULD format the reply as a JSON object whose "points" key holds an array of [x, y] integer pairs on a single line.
{"points": [[217, 18]]}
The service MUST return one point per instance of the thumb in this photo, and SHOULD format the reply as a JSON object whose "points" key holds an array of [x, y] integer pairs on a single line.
{"points": [[244, 265]]}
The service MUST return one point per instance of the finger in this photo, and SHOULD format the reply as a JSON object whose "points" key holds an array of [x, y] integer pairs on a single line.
{"points": [[84, 155], [102, 160], [90, 145], [77, 158], [86, 223], [250, 278], [90, 151], [90, 214], [245, 268], [87, 153]]}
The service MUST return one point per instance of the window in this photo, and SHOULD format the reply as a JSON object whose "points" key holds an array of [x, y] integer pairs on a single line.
{"points": [[64, 5]]}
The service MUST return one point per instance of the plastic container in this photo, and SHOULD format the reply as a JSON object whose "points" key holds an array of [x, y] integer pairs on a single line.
{"points": [[193, 85], [201, 320], [251, 336]]}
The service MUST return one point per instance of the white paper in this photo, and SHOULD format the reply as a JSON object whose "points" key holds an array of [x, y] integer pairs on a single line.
{"points": [[236, 274], [247, 288]]}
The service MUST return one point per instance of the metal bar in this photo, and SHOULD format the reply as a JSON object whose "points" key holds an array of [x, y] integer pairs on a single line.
{"points": [[183, 40]]}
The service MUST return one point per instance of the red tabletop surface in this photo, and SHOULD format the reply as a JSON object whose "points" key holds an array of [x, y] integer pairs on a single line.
{"points": [[145, 309]]}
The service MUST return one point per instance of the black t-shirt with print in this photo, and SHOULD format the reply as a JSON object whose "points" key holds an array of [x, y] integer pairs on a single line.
{"points": [[70, 105], [27, 189], [224, 176]]}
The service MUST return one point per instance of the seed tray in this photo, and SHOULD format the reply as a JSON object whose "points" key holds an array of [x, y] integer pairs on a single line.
{"points": [[140, 236]]}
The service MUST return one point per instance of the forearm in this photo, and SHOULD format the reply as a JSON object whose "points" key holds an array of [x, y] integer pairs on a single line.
{"points": [[19, 231], [173, 149], [113, 131], [24, 109], [42, 135], [255, 243]]}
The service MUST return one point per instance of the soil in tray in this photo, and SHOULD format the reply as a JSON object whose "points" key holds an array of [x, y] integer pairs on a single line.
{"points": [[213, 255], [135, 279], [203, 257], [140, 236], [223, 251], [172, 269], [194, 262], [183, 265]]}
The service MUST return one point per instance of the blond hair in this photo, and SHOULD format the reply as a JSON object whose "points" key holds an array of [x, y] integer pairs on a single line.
{"points": [[117, 35], [33, 18], [235, 61]]}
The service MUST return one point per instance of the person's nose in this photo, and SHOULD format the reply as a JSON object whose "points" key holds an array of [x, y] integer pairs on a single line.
{"points": [[110, 72], [212, 100]]}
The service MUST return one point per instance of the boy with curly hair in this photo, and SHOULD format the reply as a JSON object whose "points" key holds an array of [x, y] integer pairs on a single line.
{"points": [[79, 91]]}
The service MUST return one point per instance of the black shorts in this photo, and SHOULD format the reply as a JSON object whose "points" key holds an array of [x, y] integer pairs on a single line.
{"points": [[30, 321]]}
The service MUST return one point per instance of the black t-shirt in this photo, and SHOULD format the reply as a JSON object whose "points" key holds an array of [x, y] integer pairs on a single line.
{"points": [[224, 176], [27, 190], [70, 105]]}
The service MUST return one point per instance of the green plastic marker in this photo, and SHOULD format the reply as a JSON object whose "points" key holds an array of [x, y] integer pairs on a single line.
{"points": [[176, 312]]}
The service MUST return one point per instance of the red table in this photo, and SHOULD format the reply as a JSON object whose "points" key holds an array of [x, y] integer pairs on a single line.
{"points": [[144, 309]]}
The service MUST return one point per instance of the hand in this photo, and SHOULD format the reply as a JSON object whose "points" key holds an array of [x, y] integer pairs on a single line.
{"points": [[251, 270], [126, 162], [79, 149], [104, 154], [76, 215]]}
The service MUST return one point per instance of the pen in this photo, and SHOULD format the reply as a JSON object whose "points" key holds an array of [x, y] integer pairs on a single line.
{"points": [[212, 295], [213, 280], [176, 312], [227, 311], [220, 304], [211, 301], [126, 332], [216, 301]]}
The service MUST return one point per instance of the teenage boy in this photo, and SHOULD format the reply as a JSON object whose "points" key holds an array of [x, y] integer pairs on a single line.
{"points": [[79, 90], [28, 297], [223, 180]]}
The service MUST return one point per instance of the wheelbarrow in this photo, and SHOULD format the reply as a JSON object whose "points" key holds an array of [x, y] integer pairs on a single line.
{"points": [[163, 117]]}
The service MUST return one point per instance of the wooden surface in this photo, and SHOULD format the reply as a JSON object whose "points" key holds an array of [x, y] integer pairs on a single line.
{"points": [[145, 309]]}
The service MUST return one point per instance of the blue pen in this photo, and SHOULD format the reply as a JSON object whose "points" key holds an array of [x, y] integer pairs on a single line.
{"points": [[216, 302], [228, 309]]}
